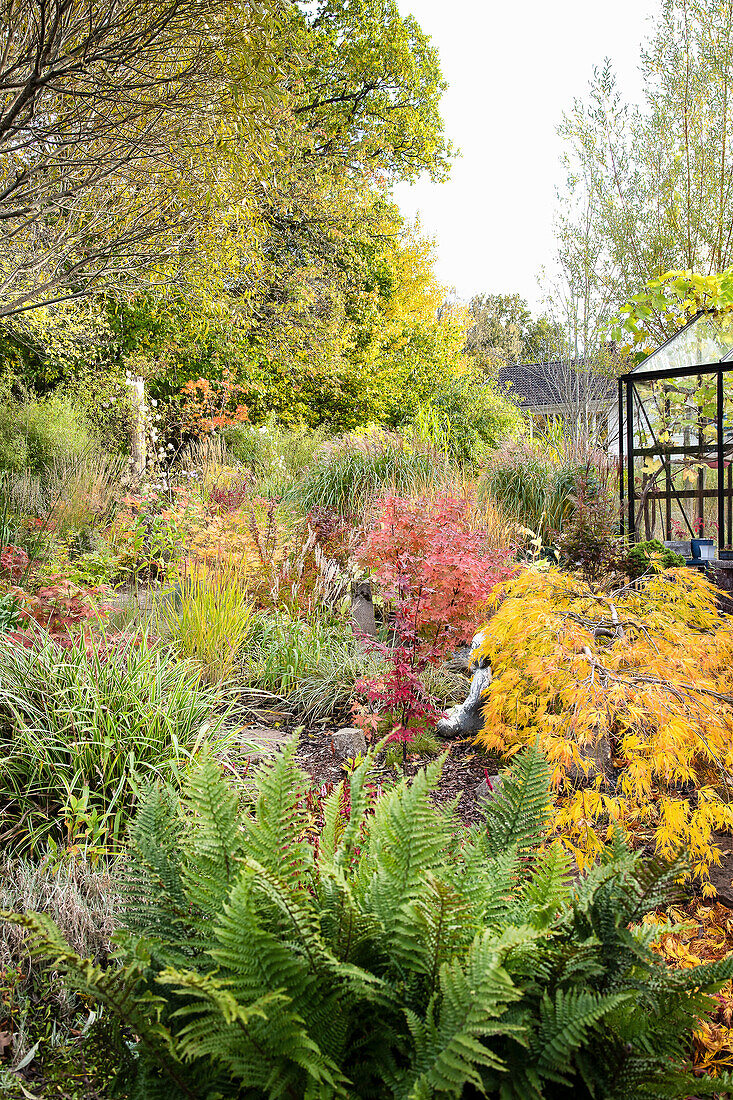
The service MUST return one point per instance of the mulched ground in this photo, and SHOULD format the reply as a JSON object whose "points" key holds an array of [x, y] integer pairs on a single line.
{"points": [[463, 770]]}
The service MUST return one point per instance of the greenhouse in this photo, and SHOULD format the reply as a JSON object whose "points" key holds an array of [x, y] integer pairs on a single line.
{"points": [[676, 441]]}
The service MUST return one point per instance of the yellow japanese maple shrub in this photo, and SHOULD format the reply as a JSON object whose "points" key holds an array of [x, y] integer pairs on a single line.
{"points": [[642, 678]]}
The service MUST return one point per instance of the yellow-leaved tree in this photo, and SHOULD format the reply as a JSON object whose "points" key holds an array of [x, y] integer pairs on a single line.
{"points": [[631, 697]]}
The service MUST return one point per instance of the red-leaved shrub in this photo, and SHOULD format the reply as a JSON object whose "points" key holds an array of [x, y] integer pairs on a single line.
{"points": [[65, 610], [429, 556], [14, 562]]}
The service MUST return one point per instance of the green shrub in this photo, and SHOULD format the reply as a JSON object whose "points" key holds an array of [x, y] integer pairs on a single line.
{"points": [[652, 555], [35, 434], [350, 473], [81, 728], [275, 455], [390, 955], [464, 417]]}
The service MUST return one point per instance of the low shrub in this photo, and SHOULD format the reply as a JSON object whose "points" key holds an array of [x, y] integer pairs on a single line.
{"points": [[590, 540], [36, 434], [276, 456], [147, 537], [397, 702], [629, 693], [651, 556], [65, 611], [80, 728], [386, 955]]}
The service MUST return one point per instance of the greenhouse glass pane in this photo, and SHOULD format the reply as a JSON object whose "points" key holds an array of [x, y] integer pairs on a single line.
{"points": [[675, 457], [705, 340]]}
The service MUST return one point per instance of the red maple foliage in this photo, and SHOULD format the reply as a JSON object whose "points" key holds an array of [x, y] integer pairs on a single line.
{"points": [[400, 696], [430, 558]]}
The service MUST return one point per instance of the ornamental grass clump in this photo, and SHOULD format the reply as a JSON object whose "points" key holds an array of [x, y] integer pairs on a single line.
{"points": [[207, 618], [631, 696], [388, 953], [348, 474], [81, 728]]}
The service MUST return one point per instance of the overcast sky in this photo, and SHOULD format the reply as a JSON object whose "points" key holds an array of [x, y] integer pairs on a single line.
{"points": [[512, 69]]}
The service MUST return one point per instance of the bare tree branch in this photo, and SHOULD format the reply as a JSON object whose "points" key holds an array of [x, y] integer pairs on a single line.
{"points": [[114, 119]]}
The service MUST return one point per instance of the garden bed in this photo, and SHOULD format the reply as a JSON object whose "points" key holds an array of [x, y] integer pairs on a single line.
{"points": [[463, 771]]}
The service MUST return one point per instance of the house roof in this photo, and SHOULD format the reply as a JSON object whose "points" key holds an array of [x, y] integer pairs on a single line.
{"points": [[544, 385]]}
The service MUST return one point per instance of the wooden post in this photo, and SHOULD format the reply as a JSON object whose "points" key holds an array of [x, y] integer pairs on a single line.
{"points": [[138, 434]]}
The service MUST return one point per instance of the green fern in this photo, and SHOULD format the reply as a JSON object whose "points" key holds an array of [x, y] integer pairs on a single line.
{"points": [[395, 955], [520, 812]]}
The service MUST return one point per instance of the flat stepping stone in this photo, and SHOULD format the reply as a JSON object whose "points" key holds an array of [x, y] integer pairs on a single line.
{"points": [[260, 741]]}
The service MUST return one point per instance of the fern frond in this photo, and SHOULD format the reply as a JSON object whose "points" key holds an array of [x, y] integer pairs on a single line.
{"points": [[274, 836], [351, 934], [257, 960], [427, 931], [449, 1052], [519, 814], [565, 1020], [408, 841], [230, 1033], [302, 924], [487, 882], [333, 827], [548, 888], [358, 806], [151, 886], [213, 842]]}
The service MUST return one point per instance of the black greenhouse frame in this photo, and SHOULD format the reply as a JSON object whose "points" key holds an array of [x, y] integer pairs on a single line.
{"points": [[632, 416]]}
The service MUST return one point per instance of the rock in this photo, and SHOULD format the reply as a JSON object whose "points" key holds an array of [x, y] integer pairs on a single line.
{"points": [[467, 718], [600, 760], [460, 661], [348, 743], [260, 741], [489, 788], [362, 607]]}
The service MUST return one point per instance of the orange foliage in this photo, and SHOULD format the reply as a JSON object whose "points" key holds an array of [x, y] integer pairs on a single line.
{"points": [[644, 678], [207, 406]]}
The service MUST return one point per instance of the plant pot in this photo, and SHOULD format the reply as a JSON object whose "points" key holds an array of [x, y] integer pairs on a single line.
{"points": [[703, 549], [679, 546]]}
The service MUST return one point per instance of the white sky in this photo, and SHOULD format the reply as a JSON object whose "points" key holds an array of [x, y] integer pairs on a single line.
{"points": [[512, 69]]}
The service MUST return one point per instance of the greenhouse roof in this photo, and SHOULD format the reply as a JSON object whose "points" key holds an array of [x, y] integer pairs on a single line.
{"points": [[705, 339]]}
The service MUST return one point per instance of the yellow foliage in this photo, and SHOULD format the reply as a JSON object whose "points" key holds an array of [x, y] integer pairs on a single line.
{"points": [[647, 673]]}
